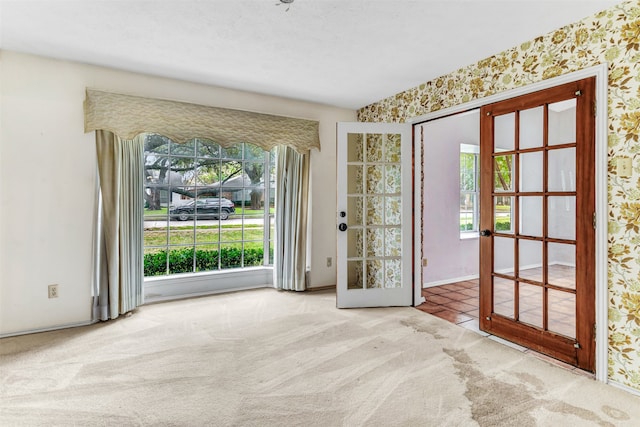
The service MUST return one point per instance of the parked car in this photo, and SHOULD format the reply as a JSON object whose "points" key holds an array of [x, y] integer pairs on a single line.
{"points": [[213, 208]]}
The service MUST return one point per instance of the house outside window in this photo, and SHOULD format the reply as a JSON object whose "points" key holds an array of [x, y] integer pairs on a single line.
{"points": [[207, 208]]}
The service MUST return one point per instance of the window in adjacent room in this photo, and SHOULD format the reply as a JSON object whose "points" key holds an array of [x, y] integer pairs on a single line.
{"points": [[469, 190], [207, 208]]}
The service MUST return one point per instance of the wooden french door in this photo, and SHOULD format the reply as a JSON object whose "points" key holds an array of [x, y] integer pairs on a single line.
{"points": [[537, 214]]}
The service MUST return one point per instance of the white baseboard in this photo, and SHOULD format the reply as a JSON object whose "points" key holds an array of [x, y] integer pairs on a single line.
{"points": [[48, 329], [451, 280], [624, 387]]}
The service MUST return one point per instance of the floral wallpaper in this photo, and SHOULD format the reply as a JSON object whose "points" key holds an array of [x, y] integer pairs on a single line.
{"points": [[612, 36]]}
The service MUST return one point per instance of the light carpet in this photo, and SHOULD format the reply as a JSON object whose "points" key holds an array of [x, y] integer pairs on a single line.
{"points": [[269, 358]]}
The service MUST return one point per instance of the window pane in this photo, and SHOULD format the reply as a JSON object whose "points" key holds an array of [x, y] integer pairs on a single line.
{"points": [[505, 132], [503, 173], [181, 259], [562, 122], [355, 147], [468, 207], [155, 262], [530, 303], [562, 170], [562, 217], [503, 213], [503, 258], [374, 147], [530, 259], [531, 171], [562, 313], [503, 297], [206, 258], [531, 216], [561, 264], [531, 127], [198, 195]]}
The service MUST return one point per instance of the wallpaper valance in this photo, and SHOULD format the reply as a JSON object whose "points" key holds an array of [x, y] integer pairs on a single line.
{"points": [[128, 116]]}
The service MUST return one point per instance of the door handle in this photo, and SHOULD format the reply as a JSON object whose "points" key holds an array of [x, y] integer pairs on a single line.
{"points": [[342, 227], [485, 233]]}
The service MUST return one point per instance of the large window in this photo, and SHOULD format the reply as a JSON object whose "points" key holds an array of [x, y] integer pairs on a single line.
{"points": [[469, 188], [207, 208]]}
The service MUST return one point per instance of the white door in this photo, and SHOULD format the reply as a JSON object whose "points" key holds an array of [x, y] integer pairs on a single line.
{"points": [[374, 218]]}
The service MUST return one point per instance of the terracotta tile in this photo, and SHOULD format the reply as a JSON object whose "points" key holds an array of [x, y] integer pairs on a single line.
{"points": [[459, 306], [455, 296], [434, 290], [470, 292], [472, 301], [452, 316], [469, 284], [453, 287], [438, 299], [428, 307]]}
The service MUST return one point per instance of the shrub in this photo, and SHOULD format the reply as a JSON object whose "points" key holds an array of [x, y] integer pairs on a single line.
{"points": [[503, 225], [181, 260]]}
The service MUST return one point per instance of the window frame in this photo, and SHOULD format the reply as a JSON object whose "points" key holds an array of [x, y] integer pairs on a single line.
{"points": [[268, 161], [474, 150]]}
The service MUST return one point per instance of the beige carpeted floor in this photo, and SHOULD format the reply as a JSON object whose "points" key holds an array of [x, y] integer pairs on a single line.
{"points": [[268, 358]]}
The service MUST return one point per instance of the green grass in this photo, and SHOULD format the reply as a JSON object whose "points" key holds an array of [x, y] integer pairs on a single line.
{"points": [[206, 234]]}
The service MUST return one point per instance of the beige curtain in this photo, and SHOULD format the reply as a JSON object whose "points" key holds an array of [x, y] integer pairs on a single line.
{"points": [[120, 258], [292, 200]]}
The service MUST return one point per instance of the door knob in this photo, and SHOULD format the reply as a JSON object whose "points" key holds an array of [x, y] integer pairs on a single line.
{"points": [[485, 233], [342, 227]]}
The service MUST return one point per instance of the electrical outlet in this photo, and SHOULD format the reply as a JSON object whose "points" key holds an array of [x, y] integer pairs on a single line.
{"points": [[53, 291], [329, 261], [624, 167]]}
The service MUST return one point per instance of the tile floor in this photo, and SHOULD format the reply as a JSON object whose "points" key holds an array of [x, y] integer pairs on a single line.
{"points": [[458, 303]]}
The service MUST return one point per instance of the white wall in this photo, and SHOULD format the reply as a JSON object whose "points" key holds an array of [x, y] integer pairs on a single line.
{"points": [[449, 257], [47, 180]]}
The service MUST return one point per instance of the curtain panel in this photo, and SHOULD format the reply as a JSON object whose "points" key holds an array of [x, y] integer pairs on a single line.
{"points": [[292, 202], [128, 116], [119, 287]]}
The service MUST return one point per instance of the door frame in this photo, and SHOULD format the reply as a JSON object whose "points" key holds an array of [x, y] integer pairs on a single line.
{"points": [[600, 72]]}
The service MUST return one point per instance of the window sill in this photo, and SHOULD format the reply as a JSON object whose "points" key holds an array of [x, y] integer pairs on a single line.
{"points": [[196, 284], [471, 235]]}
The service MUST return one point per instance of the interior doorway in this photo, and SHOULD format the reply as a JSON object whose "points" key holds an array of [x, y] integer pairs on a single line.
{"points": [[542, 305]]}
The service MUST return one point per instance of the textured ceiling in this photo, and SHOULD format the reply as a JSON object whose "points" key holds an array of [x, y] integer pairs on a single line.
{"points": [[347, 53]]}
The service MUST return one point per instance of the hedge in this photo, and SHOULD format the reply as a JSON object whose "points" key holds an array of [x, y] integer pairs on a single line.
{"points": [[502, 226], [181, 260]]}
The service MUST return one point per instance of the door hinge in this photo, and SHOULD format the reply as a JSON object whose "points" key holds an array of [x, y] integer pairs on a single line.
{"points": [[595, 109], [594, 331], [595, 221]]}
